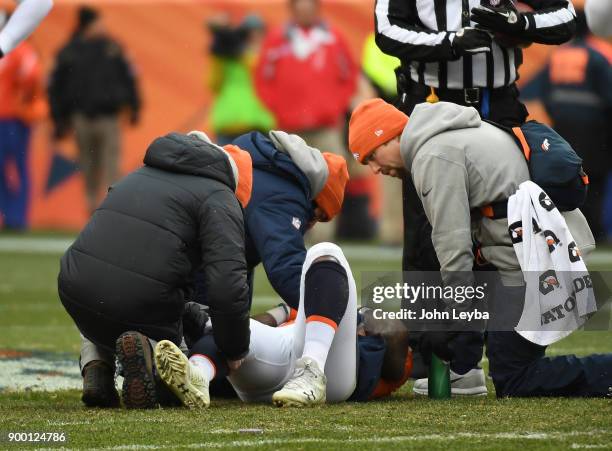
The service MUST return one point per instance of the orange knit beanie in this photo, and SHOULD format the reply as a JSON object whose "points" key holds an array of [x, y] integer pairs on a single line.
{"points": [[373, 123]]}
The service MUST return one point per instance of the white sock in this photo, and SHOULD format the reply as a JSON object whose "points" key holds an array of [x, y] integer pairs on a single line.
{"points": [[204, 364], [318, 340]]}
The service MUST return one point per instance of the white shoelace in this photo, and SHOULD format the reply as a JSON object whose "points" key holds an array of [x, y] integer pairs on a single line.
{"points": [[302, 377]]}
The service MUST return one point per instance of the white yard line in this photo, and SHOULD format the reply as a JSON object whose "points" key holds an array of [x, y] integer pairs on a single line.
{"points": [[587, 446], [28, 245], [540, 436]]}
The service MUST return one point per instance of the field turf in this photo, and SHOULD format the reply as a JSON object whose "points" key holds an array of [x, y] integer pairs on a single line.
{"points": [[32, 320]]}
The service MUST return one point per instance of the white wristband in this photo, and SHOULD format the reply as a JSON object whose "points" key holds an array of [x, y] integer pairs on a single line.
{"points": [[280, 313]]}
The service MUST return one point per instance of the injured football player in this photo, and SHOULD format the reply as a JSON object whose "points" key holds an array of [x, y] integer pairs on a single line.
{"points": [[330, 352]]}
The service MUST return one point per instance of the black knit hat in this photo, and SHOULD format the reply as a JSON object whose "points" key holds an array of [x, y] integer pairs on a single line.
{"points": [[87, 15]]}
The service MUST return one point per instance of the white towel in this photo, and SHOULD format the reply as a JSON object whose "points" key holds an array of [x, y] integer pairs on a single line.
{"points": [[559, 295]]}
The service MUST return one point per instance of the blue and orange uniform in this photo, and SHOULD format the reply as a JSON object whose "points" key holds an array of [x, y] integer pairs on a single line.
{"points": [[22, 104], [575, 90]]}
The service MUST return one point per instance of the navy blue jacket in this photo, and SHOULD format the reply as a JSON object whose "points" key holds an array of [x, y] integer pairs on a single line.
{"points": [[579, 89], [575, 89], [277, 216]]}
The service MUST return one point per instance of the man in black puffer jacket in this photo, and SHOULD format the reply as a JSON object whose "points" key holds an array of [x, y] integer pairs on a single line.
{"points": [[131, 268]]}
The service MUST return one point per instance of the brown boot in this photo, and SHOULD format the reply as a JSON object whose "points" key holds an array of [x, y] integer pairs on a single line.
{"points": [[136, 360], [99, 385]]}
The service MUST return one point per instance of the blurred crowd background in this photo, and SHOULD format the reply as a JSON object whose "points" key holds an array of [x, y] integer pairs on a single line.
{"points": [[98, 81]]}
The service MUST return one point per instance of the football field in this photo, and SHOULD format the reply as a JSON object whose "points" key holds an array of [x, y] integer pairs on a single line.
{"points": [[39, 387]]}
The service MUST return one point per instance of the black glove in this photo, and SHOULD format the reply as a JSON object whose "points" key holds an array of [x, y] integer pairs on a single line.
{"points": [[505, 18], [195, 317], [469, 41], [436, 342], [1, 53]]}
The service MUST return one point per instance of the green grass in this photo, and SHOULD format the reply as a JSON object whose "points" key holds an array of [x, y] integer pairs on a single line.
{"points": [[32, 318], [400, 422]]}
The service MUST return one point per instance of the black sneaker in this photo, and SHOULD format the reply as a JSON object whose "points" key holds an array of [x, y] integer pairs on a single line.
{"points": [[135, 357], [99, 385]]}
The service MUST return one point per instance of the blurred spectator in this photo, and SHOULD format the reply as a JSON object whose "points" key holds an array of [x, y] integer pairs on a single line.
{"points": [[307, 76], [22, 104], [576, 90], [237, 109], [91, 83], [599, 16]]}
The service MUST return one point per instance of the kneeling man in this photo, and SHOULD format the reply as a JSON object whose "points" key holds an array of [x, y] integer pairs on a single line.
{"points": [[459, 165], [128, 275]]}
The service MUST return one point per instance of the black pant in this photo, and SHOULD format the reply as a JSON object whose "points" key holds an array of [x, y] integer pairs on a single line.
{"points": [[520, 368], [103, 330], [419, 254]]}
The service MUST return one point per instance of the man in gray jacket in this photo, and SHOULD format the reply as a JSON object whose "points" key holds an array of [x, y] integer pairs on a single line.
{"points": [[460, 164]]}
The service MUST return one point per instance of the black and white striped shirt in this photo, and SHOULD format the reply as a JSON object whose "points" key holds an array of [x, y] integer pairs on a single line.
{"points": [[420, 33]]}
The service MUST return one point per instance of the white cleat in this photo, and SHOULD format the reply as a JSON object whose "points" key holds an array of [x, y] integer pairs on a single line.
{"points": [[184, 380], [306, 387], [471, 383]]}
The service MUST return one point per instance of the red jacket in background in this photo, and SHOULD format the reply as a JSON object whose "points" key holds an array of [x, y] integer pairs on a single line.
{"points": [[21, 90], [306, 77]]}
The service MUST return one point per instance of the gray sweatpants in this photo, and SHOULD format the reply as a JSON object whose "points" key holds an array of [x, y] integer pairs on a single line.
{"points": [[90, 352]]}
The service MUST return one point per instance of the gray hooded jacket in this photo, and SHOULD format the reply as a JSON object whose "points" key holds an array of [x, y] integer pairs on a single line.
{"points": [[458, 164], [308, 159]]}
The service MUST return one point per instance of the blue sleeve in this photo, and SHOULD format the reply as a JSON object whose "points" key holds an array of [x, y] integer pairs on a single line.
{"points": [[371, 356], [280, 244]]}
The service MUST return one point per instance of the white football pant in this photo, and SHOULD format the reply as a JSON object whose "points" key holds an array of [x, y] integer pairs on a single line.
{"points": [[274, 350]]}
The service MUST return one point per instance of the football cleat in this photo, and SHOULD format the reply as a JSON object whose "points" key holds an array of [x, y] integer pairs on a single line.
{"points": [[471, 383], [185, 380], [99, 385], [135, 358], [306, 387]]}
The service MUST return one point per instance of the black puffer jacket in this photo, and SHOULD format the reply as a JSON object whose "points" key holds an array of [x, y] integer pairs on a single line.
{"points": [[134, 261]]}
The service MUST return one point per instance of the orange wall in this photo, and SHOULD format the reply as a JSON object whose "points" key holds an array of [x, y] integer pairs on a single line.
{"points": [[167, 43]]}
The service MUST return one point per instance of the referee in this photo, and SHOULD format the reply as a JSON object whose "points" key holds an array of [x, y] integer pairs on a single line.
{"points": [[446, 53], [466, 52]]}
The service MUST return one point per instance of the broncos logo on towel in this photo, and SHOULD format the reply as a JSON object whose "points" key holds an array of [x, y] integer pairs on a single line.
{"points": [[516, 232], [551, 240], [549, 281], [574, 252], [545, 202]]}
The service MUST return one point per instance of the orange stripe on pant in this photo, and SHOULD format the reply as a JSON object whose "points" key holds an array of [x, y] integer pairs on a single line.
{"points": [[322, 319]]}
